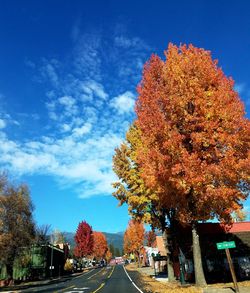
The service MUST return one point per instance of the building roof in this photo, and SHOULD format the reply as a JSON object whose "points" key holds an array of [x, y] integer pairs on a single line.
{"points": [[214, 228]]}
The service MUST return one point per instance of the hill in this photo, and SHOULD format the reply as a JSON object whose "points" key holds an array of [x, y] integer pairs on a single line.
{"points": [[112, 238]]}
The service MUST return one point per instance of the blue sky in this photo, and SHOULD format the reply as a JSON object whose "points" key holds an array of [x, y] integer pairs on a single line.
{"points": [[68, 77]]}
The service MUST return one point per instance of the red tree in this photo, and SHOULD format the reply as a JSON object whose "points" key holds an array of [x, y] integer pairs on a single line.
{"points": [[150, 238], [84, 240]]}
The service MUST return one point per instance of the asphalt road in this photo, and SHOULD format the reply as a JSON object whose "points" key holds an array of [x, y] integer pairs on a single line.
{"points": [[101, 280]]}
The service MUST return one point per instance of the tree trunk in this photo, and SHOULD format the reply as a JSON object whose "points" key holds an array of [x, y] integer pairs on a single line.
{"points": [[9, 271], [139, 260], [170, 267], [198, 269]]}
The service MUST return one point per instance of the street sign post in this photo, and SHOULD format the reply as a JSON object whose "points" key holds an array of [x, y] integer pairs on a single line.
{"points": [[226, 245]]}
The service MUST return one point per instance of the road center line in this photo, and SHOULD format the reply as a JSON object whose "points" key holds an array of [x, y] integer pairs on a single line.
{"points": [[111, 272], [100, 287], [70, 287], [132, 280], [95, 274]]}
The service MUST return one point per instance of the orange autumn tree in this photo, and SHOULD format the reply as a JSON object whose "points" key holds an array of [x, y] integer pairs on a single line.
{"points": [[133, 238], [100, 247], [195, 138], [144, 204]]}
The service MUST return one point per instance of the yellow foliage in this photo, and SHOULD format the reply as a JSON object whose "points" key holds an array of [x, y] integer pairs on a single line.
{"points": [[132, 189], [68, 266]]}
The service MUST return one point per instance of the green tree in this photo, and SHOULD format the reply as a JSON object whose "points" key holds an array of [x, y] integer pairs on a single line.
{"points": [[17, 227], [112, 249], [117, 252]]}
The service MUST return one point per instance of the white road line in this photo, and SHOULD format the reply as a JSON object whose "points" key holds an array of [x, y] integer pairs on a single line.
{"points": [[132, 280]]}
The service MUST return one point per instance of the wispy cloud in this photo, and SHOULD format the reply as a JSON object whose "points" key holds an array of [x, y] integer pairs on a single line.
{"points": [[93, 88], [49, 69], [89, 103], [240, 87], [244, 91], [2, 124], [124, 103]]}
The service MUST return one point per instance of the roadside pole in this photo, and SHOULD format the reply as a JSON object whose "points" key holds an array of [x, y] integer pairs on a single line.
{"points": [[51, 262], [182, 267], [226, 246], [51, 256], [231, 266]]}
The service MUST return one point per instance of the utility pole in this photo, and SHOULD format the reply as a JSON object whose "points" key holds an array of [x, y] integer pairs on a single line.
{"points": [[51, 257]]}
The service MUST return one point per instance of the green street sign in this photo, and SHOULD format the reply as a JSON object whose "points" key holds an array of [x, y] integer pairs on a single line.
{"points": [[225, 245]]}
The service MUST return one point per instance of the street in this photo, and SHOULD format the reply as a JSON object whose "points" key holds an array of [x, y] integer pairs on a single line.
{"points": [[103, 280]]}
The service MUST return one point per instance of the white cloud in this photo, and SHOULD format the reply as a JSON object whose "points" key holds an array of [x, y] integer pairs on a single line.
{"points": [[2, 124], [102, 186], [48, 71], [94, 88], [87, 161], [80, 131], [53, 116], [76, 148], [67, 101], [124, 42], [240, 88], [66, 127], [244, 92], [124, 103], [87, 58]]}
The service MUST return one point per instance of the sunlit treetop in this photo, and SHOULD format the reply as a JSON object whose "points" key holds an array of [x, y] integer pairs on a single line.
{"points": [[194, 133]]}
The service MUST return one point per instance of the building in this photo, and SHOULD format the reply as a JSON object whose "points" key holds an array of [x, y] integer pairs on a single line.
{"points": [[214, 261], [37, 262]]}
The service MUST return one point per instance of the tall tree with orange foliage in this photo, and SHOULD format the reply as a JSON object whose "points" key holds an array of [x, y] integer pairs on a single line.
{"points": [[133, 238], [84, 240], [100, 245], [195, 139], [144, 204]]}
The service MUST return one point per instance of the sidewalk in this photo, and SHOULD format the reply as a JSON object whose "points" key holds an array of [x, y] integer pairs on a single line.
{"points": [[151, 272], [242, 289], [228, 288]]}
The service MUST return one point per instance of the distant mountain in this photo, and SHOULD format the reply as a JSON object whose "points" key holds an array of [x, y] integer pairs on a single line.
{"points": [[112, 238], [115, 238], [69, 237]]}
